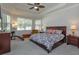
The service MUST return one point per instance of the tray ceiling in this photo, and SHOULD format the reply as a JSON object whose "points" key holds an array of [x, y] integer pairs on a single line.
{"points": [[22, 9]]}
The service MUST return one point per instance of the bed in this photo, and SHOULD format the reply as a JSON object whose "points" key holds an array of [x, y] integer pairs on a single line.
{"points": [[50, 41]]}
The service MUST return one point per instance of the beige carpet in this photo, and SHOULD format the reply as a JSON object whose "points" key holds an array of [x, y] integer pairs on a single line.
{"points": [[28, 48]]}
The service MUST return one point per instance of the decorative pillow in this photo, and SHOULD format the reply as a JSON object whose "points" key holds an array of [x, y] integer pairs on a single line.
{"points": [[50, 31], [58, 31]]}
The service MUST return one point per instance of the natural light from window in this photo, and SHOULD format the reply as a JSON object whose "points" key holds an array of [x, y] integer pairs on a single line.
{"points": [[8, 28], [24, 24], [6, 22], [38, 24]]}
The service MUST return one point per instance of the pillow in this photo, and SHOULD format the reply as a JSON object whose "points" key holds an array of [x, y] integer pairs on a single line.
{"points": [[58, 31], [50, 31]]}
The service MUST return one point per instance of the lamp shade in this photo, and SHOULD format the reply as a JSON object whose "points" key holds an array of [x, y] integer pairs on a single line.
{"points": [[73, 27], [14, 24]]}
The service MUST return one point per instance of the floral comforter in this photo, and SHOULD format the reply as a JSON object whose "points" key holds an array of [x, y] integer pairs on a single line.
{"points": [[46, 39]]}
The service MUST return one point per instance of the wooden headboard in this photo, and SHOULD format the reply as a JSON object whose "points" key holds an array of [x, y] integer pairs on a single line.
{"points": [[63, 28]]}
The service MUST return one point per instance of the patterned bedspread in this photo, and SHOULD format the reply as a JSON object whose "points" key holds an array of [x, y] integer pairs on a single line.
{"points": [[47, 39]]}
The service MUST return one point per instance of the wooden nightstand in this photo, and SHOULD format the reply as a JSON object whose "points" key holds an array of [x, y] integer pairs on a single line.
{"points": [[73, 40]]}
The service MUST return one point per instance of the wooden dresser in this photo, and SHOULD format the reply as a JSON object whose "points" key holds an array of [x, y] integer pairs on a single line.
{"points": [[73, 40], [4, 42]]}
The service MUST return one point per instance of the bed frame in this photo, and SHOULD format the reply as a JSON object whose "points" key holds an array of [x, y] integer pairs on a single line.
{"points": [[63, 28]]}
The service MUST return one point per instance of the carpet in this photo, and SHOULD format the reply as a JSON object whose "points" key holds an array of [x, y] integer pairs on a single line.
{"points": [[29, 48]]}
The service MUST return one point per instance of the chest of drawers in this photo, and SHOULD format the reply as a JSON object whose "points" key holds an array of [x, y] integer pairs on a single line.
{"points": [[73, 40]]}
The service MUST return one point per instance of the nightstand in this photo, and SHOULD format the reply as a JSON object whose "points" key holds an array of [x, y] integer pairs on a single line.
{"points": [[73, 40]]}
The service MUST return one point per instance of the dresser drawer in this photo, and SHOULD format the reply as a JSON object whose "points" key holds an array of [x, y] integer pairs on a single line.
{"points": [[4, 42], [73, 40]]}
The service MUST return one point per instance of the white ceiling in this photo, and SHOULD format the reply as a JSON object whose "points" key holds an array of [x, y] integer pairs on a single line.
{"points": [[22, 9]]}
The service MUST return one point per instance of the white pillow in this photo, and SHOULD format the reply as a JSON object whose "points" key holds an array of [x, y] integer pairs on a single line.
{"points": [[58, 31], [50, 31]]}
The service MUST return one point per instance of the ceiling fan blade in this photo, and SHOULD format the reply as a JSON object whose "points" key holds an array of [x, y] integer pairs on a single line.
{"points": [[41, 6], [30, 4], [31, 8], [36, 3]]}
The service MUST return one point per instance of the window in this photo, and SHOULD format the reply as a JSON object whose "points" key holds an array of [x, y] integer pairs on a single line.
{"points": [[24, 24], [38, 24], [6, 23]]}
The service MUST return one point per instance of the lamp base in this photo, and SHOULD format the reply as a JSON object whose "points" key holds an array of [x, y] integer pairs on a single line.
{"points": [[73, 33]]}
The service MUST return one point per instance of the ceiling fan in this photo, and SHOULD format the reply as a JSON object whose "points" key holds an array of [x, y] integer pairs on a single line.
{"points": [[36, 6]]}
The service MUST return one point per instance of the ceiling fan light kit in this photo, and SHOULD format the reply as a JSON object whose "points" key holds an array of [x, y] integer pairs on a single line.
{"points": [[36, 6]]}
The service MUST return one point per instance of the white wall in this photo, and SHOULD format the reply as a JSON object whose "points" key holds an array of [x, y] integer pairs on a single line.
{"points": [[65, 17]]}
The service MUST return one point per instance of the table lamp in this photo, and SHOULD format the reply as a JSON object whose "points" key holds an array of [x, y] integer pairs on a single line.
{"points": [[73, 28], [14, 24]]}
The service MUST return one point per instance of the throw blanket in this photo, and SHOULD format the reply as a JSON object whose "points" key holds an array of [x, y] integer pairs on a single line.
{"points": [[47, 39]]}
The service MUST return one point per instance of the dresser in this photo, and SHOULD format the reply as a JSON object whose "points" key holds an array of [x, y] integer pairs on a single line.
{"points": [[73, 40], [4, 42]]}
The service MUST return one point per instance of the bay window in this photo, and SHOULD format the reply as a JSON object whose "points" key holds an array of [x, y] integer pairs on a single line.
{"points": [[38, 24], [24, 24], [6, 23], [8, 28]]}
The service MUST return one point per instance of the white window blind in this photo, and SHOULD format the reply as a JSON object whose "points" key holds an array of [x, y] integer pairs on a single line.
{"points": [[38, 24], [6, 22], [8, 28], [24, 24]]}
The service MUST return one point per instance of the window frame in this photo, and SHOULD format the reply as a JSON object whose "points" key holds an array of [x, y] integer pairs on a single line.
{"points": [[22, 24], [38, 25], [5, 24]]}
